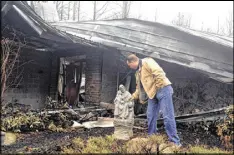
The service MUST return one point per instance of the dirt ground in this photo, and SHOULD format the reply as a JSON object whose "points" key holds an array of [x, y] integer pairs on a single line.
{"points": [[52, 142]]}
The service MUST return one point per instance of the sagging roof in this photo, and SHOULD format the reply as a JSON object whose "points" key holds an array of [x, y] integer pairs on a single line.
{"points": [[208, 53], [29, 25]]}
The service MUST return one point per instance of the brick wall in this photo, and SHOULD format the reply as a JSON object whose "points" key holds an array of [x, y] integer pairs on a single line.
{"points": [[53, 88], [34, 85], [93, 76]]}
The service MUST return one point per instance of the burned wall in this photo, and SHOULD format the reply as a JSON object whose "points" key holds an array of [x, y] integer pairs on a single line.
{"points": [[53, 81], [35, 78], [110, 73], [93, 76], [102, 69]]}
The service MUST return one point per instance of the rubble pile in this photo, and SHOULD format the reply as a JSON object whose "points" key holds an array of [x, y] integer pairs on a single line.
{"points": [[192, 96], [56, 117], [34, 121], [196, 96]]}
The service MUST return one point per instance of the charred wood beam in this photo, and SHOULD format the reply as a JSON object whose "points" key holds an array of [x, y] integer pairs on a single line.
{"points": [[64, 83], [108, 106], [50, 36], [81, 109], [208, 115], [70, 111], [73, 111], [79, 79]]}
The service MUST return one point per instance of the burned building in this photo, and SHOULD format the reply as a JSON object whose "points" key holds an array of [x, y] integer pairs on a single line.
{"points": [[199, 64], [59, 54]]}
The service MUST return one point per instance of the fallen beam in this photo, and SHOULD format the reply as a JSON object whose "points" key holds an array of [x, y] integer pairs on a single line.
{"points": [[108, 106], [221, 110], [202, 116]]}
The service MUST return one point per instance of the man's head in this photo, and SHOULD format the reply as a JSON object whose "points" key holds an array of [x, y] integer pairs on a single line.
{"points": [[132, 61]]}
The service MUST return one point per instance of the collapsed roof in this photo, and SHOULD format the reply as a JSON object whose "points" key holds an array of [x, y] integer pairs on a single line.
{"points": [[207, 53]]}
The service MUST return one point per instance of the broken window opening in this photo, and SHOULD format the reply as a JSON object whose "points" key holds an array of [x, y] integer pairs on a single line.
{"points": [[71, 85]]}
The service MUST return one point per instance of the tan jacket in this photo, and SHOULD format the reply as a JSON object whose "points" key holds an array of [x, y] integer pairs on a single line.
{"points": [[152, 78]]}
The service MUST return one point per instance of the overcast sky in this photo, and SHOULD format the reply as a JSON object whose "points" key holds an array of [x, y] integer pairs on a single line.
{"points": [[206, 12], [201, 11]]}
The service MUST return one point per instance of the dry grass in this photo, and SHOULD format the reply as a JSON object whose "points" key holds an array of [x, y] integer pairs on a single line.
{"points": [[144, 144], [100, 145], [151, 144], [204, 149]]}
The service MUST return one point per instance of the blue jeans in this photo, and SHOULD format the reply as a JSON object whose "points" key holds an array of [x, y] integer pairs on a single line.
{"points": [[162, 101]]}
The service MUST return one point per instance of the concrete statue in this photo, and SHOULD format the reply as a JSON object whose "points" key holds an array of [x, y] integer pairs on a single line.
{"points": [[123, 114]]}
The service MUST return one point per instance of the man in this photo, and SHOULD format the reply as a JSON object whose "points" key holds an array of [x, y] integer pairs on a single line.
{"points": [[153, 85]]}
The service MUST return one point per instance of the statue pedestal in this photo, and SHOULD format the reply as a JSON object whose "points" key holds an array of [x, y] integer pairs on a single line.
{"points": [[124, 114], [123, 129]]}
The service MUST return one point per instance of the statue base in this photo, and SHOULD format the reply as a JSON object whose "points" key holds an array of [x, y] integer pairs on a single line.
{"points": [[123, 129]]}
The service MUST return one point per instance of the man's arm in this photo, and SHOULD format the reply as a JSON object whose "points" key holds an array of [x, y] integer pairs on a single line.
{"points": [[153, 67], [135, 95]]}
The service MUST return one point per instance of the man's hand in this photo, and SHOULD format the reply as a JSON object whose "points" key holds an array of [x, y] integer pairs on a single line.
{"points": [[143, 102], [131, 99]]}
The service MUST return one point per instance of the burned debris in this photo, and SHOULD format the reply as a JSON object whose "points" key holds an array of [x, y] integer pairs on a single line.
{"points": [[25, 120]]}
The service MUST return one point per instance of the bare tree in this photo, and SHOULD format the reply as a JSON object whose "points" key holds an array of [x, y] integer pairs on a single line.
{"points": [[218, 27], [10, 64], [94, 10], [139, 12], [126, 9], [98, 13], [202, 27], [188, 21], [179, 20], [74, 10], [182, 20], [156, 15], [78, 11], [209, 30], [222, 31], [121, 10], [62, 11], [68, 10], [229, 24], [57, 3]]}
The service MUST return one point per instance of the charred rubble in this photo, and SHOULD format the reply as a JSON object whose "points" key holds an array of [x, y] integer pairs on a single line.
{"points": [[55, 116]]}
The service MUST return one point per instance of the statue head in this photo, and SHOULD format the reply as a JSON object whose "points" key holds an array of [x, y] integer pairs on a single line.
{"points": [[122, 88]]}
